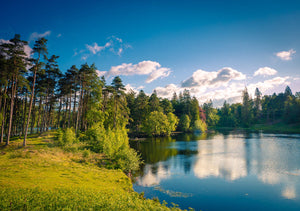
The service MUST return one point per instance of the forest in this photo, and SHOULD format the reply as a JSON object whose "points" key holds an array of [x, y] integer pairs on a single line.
{"points": [[36, 96]]}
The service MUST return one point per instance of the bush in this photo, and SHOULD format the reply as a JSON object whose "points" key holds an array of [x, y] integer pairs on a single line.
{"points": [[95, 137], [127, 159], [114, 144], [66, 137], [199, 125]]}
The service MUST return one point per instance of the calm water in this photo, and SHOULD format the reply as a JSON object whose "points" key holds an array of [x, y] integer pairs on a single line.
{"points": [[232, 171]]}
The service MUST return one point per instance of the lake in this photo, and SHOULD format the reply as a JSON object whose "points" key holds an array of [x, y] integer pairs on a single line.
{"points": [[222, 171]]}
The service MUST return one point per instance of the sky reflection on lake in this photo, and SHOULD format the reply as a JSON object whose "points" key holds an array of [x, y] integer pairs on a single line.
{"points": [[218, 171]]}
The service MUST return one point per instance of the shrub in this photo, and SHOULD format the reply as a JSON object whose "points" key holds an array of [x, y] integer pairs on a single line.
{"points": [[127, 159], [199, 125], [66, 137], [95, 137], [114, 144]]}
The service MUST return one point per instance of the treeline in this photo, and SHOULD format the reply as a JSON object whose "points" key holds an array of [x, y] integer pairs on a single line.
{"points": [[150, 115], [268, 109], [36, 97]]}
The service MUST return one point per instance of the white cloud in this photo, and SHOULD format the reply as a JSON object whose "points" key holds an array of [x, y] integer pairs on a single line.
{"points": [[286, 55], [27, 48], [223, 85], [289, 192], [150, 68], [2, 41], [100, 73], [59, 35], [265, 71], [167, 91], [268, 85], [129, 87], [215, 79], [96, 48], [114, 45], [232, 94], [36, 35]]}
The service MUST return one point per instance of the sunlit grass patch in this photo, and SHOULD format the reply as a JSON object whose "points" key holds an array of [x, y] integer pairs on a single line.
{"points": [[42, 176]]}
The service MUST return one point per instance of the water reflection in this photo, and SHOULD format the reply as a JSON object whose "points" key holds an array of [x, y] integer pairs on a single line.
{"points": [[268, 162], [221, 158]]}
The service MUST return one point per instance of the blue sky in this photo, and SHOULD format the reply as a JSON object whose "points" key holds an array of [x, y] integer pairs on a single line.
{"points": [[212, 48]]}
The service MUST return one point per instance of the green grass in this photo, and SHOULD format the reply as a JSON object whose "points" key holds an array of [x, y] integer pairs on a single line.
{"points": [[44, 177], [279, 127]]}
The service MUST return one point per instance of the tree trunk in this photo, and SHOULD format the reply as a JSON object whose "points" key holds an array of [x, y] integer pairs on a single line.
{"points": [[74, 109], [44, 119], [13, 88], [59, 111], [38, 125], [79, 108], [70, 105], [30, 107], [3, 116], [24, 114], [33, 115]]}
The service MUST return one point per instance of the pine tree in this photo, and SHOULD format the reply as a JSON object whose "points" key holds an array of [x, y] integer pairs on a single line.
{"points": [[16, 61], [40, 50]]}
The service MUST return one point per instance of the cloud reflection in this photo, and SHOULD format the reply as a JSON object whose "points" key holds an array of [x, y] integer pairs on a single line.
{"points": [[152, 179], [222, 158]]}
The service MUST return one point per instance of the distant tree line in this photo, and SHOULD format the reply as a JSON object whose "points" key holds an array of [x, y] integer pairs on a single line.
{"points": [[268, 109]]}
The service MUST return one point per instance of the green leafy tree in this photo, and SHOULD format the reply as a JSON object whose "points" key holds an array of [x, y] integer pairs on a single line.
{"points": [[184, 123], [200, 126], [156, 124], [172, 123]]}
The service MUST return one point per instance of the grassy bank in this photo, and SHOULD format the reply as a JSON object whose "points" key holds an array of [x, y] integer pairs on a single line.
{"points": [[278, 127], [44, 177]]}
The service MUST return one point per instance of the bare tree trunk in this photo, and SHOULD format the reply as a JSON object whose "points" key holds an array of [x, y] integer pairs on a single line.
{"points": [[79, 109], [70, 105], [49, 122], [59, 111], [14, 87], [30, 107], [24, 114], [38, 125], [22, 118], [44, 119], [66, 111], [3, 115], [74, 110], [33, 115]]}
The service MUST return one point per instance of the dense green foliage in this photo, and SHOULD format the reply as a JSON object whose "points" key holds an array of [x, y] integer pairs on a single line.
{"points": [[259, 113], [158, 117]]}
